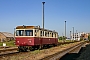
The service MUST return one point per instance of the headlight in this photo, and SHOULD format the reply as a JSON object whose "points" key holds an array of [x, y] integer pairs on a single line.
{"points": [[17, 41], [30, 41]]}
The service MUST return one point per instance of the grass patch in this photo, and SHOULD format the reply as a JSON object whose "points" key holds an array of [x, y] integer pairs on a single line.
{"points": [[10, 43], [60, 40], [64, 40], [35, 52]]}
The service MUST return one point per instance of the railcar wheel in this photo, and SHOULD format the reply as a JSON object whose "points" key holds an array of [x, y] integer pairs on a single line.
{"points": [[24, 48], [54, 45], [40, 47], [31, 48], [20, 49]]}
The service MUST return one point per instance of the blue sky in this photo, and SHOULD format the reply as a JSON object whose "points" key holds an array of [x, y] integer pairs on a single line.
{"points": [[29, 12]]}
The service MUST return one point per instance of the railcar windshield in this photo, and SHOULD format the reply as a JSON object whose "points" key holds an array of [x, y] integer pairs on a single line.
{"points": [[29, 32], [24, 32], [19, 32]]}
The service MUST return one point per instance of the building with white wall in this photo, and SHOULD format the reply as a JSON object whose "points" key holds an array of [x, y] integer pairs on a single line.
{"points": [[77, 36]]}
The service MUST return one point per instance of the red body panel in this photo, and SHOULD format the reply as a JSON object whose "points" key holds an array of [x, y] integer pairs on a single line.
{"points": [[31, 41]]}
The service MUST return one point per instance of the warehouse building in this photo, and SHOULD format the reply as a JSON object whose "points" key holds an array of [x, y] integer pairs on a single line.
{"points": [[5, 36]]}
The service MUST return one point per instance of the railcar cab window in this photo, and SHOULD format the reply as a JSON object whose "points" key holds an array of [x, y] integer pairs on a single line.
{"points": [[19, 32], [29, 32]]}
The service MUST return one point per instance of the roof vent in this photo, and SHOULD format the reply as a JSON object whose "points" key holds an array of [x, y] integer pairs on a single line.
{"points": [[24, 26], [38, 26]]}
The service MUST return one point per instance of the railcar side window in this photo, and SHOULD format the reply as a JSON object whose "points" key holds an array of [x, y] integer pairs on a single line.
{"points": [[19, 32], [35, 32], [45, 33], [55, 35], [52, 34], [41, 33], [48, 34], [29, 32]]}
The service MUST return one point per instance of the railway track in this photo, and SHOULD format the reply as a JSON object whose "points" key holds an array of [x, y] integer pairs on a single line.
{"points": [[59, 54], [8, 50], [13, 51]]}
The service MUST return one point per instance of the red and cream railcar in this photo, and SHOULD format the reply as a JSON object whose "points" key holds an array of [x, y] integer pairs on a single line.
{"points": [[34, 36]]}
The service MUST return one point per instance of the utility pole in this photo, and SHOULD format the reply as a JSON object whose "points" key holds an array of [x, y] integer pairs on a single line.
{"points": [[76, 35], [73, 33], [70, 35], [65, 30], [62, 38], [43, 18], [14, 33], [42, 24]]}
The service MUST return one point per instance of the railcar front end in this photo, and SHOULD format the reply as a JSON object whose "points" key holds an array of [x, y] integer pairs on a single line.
{"points": [[24, 37]]}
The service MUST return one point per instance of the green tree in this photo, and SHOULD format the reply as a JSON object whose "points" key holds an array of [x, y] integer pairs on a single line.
{"points": [[64, 37], [60, 38]]}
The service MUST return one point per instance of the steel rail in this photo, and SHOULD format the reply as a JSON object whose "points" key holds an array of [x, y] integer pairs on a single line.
{"points": [[5, 51], [59, 54]]}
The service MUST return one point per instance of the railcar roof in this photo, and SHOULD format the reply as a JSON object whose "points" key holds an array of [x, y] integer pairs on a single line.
{"points": [[24, 27], [33, 27]]}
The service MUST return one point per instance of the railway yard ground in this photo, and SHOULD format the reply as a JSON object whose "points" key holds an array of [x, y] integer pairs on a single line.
{"points": [[40, 54], [83, 54]]}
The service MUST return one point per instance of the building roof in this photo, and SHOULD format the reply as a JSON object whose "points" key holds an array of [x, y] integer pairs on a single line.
{"points": [[7, 34]]}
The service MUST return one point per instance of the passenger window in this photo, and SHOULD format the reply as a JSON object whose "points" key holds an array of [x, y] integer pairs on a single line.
{"points": [[46, 34], [52, 34], [55, 34], [41, 33], [35, 32]]}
